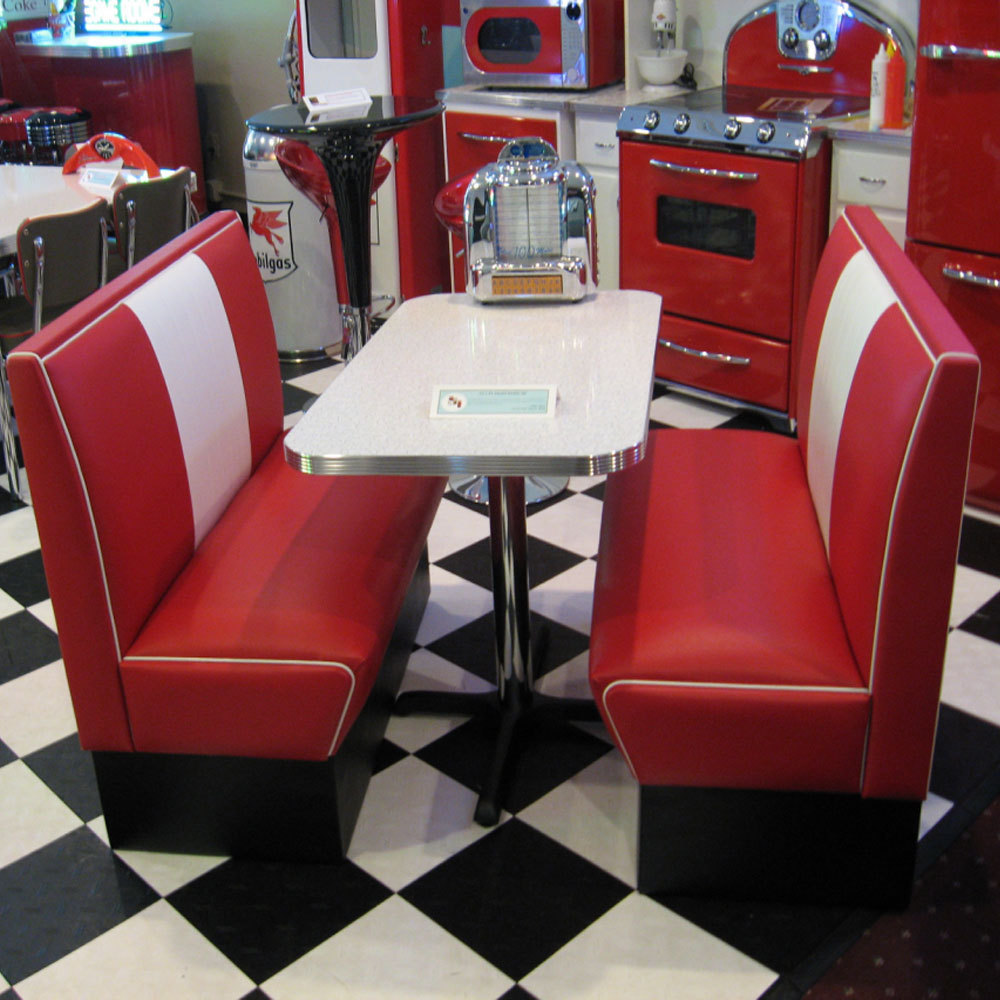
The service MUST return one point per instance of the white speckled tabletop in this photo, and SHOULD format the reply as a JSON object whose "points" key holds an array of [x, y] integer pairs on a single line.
{"points": [[375, 417]]}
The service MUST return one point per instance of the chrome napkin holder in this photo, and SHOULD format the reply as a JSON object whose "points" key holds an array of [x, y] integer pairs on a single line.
{"points": [[530, 231]]}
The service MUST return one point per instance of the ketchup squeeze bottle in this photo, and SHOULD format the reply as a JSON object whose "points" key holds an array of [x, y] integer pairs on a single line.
{"points": [[895, 87]]}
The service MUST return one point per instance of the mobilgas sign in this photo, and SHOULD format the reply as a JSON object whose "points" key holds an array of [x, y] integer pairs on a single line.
{"points": [[270, 231]]}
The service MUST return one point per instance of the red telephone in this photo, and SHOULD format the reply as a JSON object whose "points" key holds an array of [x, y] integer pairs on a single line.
{"points": [[107, 146]]}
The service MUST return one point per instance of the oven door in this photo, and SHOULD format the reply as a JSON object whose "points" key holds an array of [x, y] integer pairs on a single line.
{"points": [[712, 233]]}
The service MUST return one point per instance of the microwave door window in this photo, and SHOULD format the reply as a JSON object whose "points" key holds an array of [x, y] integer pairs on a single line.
{"points": [[341, 29], [700, 225], [509, 40]]}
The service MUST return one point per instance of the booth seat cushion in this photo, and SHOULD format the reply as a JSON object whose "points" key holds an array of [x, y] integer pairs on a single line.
{"points": [[719, 656], [269, 641]]}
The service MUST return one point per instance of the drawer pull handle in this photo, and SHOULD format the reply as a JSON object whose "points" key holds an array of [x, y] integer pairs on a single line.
{"points": [[606, 145], [969, 277], [806, 70], [476, 137], [726, 359], [878, 181], [946, 52], [726, 175]]}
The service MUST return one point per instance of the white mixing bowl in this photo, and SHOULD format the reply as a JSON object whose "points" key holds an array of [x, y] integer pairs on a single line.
{"points": [[663, 66]]}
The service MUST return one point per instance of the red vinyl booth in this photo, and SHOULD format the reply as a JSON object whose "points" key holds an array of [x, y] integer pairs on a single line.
{"points": [[771, 612], [233, 631]]}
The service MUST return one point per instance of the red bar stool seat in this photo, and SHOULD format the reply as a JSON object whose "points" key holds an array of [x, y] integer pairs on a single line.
{"points": [[305, 171]]}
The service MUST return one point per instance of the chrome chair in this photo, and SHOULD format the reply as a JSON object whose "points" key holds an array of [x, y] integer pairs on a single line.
{"points": [[61, 259], [148, 214]]}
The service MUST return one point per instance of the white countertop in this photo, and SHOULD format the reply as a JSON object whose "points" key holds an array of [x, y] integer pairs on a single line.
{"points": [[375, 417]]}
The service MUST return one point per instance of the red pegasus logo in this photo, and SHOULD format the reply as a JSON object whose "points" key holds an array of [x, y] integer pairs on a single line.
{"points": [[266, 224]]}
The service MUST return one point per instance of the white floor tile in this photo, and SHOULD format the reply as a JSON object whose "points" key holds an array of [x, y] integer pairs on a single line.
{"points": [[454, 602], [573, 524], [316, 381], [595, 813], [643, 951], [569, 597], [8, 606], [36, 710], [413, 818], [972, 676], [155, 955], [167, 872], [43, 612], [391, 953], [18, 534], [972, 590], [454, 528], [932, 811], [570, 680], [683, 411], [427, 672], [38, 817]]}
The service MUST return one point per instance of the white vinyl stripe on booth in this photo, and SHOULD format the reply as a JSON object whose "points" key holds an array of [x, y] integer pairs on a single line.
{"points": [[186, 323], [860, 297]]}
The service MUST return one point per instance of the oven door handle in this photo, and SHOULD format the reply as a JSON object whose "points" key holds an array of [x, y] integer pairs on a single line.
{"points": [[946, 52], [726, 175], [805, 70], [726, 359], [477, 137], [969, 277]]}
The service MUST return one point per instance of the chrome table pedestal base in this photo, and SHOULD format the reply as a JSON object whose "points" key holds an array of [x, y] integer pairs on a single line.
{"points": [[536, 488], [514, 703]]}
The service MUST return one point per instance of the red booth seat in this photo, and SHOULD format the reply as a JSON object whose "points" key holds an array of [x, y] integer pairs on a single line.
{"points": [[770, 612], [223, 618]]}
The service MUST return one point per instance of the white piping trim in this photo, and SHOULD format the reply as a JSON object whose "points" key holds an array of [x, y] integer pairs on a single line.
{"points": [[232, 659]]}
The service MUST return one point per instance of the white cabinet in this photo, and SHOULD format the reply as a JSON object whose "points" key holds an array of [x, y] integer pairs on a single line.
{"points": [[868, 173], [597, 150]]}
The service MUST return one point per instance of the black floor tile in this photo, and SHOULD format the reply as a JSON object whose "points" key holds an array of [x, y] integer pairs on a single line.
{"points": [[515, 896], [264, 915], [61, 896], [545, 561], [776, 935], [979, 547], [24, 579], [7, 755], [25, 645], [386, 755], [295, 398], [985, 622], [473, 646], [965, 752], [69, 772], [542, 757]]}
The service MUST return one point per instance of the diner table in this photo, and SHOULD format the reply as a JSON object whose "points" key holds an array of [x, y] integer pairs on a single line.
{"points": [[348, 143], [28, 190], [450, 386]]}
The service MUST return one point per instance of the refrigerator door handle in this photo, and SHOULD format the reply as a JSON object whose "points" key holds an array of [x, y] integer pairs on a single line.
{"points": [[969, 277], [957, 52]]}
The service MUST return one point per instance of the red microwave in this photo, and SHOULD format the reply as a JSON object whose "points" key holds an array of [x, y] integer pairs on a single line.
{"points": [[564, 44]]}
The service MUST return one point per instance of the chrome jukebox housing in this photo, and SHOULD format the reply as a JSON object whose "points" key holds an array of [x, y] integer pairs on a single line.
{"points": [[530, 230]]}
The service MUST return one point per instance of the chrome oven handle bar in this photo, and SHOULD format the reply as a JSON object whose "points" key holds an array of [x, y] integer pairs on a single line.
{"points": [[969, 277], [945, 52], [477, 137], [805, 70], [727, 175], [726, 359]]}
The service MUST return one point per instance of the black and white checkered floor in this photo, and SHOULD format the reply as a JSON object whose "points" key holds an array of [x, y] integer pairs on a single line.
{"points": [[429, 904]]}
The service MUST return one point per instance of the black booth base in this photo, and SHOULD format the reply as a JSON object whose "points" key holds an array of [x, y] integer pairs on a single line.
{"points": [[792, 847], [261, 808]]}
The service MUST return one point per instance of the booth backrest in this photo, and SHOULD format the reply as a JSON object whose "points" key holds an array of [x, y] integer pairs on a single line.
{"points": [[885, 469], [177, 358]]}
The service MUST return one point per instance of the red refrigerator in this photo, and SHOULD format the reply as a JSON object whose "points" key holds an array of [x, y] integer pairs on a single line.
{"points": [[953, 215]]}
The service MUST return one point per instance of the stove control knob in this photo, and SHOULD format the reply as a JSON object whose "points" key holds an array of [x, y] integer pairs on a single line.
{"points": [[732, 129], [765, 131], [651, 120], [790, 38], [682, 123], [822, 40]]}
